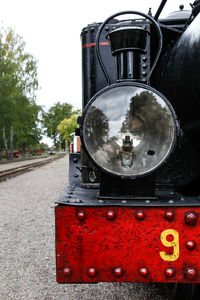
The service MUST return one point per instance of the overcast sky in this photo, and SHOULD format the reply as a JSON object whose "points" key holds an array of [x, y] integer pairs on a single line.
{"points": [[51, 30]]}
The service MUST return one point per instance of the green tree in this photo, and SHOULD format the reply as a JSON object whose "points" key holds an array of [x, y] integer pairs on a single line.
{"points": [[18, 73], [53, 117], [27, 132], [66, 127]]}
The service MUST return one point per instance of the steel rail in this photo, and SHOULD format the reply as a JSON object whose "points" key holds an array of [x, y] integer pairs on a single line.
{"points": [[14, 160], [23, 169]]}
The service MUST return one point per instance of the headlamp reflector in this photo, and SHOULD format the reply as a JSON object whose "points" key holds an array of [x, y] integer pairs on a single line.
{"points": [[129, 130]]}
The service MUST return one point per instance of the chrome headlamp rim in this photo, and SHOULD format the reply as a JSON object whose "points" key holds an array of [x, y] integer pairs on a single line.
{"points": [[177, 130]]}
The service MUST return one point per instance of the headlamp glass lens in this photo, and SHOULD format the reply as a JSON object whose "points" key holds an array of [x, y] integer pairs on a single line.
{"points": [[129, 130]]}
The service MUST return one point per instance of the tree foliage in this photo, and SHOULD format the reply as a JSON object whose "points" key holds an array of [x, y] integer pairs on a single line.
{"points": [[27, 132], [18, 82], [53, 117], [68, 126]]}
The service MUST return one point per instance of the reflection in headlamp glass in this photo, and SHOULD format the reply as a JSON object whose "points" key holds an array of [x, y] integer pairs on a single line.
{"points": [[129, 130]]}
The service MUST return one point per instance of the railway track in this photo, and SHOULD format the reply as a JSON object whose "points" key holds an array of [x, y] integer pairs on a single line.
{"points": [[22, 159], [26, 168]]}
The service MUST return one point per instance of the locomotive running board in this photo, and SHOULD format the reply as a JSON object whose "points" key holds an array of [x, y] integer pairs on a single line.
{"points": [[127, 244]]}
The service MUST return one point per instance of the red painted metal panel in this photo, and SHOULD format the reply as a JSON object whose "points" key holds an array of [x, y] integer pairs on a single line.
{"points": [[95, 244]]}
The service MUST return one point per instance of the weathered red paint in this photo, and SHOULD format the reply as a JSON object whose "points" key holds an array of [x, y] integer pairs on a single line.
{"points": [[124, 245]]}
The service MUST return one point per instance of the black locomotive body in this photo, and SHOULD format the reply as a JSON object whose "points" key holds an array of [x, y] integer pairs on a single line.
{"points": [[136, 181], [176, 76]]}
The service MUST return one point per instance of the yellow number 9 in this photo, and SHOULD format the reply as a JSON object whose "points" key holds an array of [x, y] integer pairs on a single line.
{"points": [[174, 244]]}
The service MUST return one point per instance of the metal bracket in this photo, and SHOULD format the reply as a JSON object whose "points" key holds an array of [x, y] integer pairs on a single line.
{"points": [[77, 194]]}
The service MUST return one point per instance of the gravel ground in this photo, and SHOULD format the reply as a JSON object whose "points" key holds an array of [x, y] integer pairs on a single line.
{"points": [[27, 259]]}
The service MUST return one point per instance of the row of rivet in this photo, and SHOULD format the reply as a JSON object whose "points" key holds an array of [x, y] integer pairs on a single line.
{"points": [[75, 160], [125, 201], [144, 58], [146, 201], [189, 273], [190, 217], [110, 215]]}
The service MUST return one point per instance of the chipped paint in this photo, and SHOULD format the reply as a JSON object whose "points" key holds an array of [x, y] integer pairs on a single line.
{"points": [[126, 246]]}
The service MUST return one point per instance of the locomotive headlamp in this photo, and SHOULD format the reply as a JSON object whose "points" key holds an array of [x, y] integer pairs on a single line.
{"points": [[129, 129]]}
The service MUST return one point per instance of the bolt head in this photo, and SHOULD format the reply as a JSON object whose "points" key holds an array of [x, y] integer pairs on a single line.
{"points": [[118, 272], [169, 215], [66, 271], [169, 272], [81, 215], [92, 272], [190, 245], [110, 214], [144, 272], [140, 215], [191, 218], [190, 274]]}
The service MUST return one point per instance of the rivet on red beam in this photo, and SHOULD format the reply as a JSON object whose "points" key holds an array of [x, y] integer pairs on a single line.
{"points": [[169, 215], [190, 273], [169, 272], [190, 245], [81, 215], [144, 272], [140, 215], [66, 271], [92, 272], [118, 272], [110, 215], [191, 218]]}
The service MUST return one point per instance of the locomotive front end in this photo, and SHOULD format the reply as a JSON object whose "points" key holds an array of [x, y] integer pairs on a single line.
{"points": [[131, 209]]}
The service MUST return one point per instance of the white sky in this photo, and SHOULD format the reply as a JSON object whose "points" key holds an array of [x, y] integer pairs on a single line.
{"points": [[51, 30]]}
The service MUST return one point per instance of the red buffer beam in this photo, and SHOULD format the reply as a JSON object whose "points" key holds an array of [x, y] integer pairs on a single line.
{"points": [[127, 244]]}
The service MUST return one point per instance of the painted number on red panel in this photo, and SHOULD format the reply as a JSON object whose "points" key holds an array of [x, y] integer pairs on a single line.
{"points": [[173, 243]]}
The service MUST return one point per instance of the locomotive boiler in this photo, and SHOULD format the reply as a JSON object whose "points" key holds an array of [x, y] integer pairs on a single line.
{"points": [[131, 211]]}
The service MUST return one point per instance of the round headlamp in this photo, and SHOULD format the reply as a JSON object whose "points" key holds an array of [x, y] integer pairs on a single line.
{"points": [[129, 129]]}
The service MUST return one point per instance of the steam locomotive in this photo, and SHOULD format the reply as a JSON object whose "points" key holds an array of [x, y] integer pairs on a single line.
{"points": [[131, 211]]}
